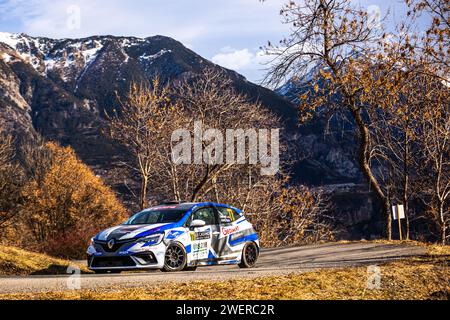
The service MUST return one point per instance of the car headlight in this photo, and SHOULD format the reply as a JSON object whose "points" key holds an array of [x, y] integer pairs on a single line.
{"points": [[152, 240], [91, 242]]}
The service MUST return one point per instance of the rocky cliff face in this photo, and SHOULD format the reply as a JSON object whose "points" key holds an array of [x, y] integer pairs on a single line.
{"points": [[15, 109], [328, 142]]}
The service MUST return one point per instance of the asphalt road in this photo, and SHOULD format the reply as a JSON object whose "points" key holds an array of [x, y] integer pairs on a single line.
{"points": [[271, 262]]}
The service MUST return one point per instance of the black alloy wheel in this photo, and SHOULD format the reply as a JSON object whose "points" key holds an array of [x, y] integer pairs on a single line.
{"points": [[249, 255], [175, 258]]}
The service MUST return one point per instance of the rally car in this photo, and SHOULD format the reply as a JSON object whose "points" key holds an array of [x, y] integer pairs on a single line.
{"points": [[176, 237]]}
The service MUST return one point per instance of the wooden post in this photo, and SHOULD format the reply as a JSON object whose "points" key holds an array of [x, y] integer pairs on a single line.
{"points": [[400, 216]]}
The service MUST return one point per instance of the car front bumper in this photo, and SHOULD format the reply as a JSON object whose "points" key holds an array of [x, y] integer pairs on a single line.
{"points": [[135, 258]]}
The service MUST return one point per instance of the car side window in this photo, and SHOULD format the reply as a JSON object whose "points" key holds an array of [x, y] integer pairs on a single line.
{"points": [[227, 215], [205, 214], [235, 214]]}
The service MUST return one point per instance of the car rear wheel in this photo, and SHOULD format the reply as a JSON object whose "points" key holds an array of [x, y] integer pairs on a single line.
{"points": [[249, 255], [175, 258]]}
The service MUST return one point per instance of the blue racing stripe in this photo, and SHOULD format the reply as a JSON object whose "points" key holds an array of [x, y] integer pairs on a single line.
{"points": [[155, 230], [250, 237], [211, 255]]}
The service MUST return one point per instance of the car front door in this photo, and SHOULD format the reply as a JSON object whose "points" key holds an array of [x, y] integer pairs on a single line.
{"points": [[203, 238], [227, 227]]}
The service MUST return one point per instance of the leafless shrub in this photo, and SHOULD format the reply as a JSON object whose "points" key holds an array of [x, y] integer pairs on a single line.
{"points": [[10, 181]]}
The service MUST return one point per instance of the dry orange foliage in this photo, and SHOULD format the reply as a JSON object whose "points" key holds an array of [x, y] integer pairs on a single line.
{"points": [[68, 205]]}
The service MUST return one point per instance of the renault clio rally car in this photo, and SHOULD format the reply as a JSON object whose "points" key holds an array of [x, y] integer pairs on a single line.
{"points": [[175, 237]]}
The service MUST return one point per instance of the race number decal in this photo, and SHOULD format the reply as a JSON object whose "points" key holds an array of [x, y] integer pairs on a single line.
{"points": [[200, 250]]}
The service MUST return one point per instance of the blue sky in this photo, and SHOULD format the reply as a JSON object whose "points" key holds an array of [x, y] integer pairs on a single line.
{"points": [[228, 32]]}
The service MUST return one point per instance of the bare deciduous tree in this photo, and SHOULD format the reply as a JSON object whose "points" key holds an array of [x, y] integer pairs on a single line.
{"points": [[35, 159], [138, 126], [434, 141], [210, 101], [335, 41]]}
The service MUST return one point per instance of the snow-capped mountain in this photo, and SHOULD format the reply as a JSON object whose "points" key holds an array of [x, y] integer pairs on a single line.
{"points": [[70, 59], [62, 87]]}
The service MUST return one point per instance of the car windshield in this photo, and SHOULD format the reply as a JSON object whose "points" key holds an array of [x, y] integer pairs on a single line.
{"points": [[157, 215]]}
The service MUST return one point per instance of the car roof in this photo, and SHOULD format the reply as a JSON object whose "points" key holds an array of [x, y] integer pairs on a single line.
{"points": [[189, 205]]}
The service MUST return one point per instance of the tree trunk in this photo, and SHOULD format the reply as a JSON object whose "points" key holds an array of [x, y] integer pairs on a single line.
{"points": [[406, 190], [406, 178], [405, 203], [443, 224], [210, 174], [216, 191], [364, 137], [175, 186], [200, 186], [387, 213], [143, 195]]}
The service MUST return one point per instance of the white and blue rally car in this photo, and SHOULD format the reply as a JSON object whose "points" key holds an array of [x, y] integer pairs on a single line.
{"points": [[175, 237]]}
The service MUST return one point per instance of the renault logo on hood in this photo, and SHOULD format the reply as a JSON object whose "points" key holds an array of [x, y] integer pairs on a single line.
{"points": [[111, 243]]}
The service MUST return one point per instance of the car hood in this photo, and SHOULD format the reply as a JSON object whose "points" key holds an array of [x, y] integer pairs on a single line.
{"points": [[128, 232]]}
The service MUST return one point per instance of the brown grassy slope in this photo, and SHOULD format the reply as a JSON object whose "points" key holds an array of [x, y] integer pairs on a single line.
{"points": [[426, 279], [18, 262], [438, 250]]}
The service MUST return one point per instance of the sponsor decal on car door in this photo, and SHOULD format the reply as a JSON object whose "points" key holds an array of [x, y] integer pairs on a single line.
{"points": [[201, 242]]}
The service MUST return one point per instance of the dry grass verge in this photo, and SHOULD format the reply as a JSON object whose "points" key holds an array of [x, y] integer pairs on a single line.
{"points": [[438, 250], [18, 262], [400, 280]]}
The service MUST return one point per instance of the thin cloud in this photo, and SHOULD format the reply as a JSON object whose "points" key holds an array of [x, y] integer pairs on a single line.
{"points": [[205, 26], [233, 59]]}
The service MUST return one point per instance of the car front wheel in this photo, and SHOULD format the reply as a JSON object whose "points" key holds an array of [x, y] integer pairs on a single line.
{"points": [[249, 255], [175, 258]]}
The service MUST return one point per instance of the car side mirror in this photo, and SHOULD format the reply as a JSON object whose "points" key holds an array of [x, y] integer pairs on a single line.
{"points": [[197, 224]]}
